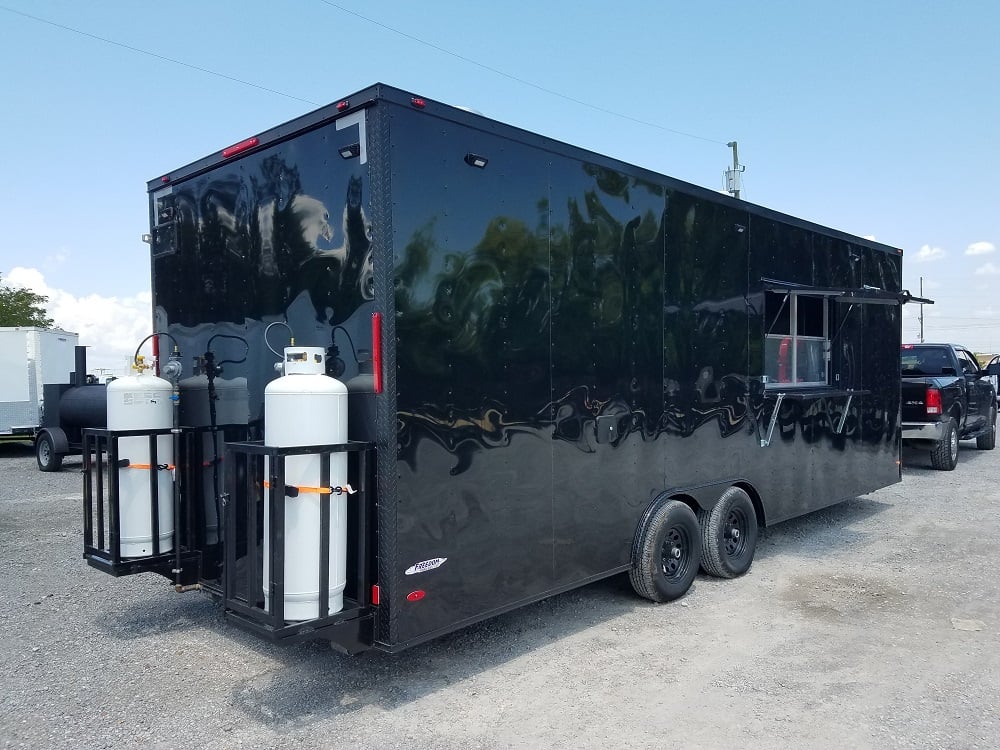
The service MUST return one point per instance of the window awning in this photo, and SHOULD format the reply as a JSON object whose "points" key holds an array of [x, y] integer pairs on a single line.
{"points": [[867, 295]]}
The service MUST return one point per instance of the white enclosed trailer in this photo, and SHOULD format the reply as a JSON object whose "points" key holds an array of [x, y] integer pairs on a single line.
{"points": [[29, 358]]}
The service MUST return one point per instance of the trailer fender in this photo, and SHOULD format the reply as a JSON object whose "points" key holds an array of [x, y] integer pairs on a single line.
{"points": [[60, 442], [703, 497]]}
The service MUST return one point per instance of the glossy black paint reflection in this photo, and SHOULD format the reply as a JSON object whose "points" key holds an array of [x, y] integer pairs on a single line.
{"points": [[546, 292], [525, 304]]}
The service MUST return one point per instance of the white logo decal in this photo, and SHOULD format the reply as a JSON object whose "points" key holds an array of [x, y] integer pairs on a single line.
{"points": [[423, 567]]}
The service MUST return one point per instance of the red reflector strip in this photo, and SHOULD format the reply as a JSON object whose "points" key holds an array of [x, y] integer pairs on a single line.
{"points": [[416, 596], [418, 102], [377, 350], [376, 592], [238, 147]]}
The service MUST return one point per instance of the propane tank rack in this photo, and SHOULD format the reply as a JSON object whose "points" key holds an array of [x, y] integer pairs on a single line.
{"points": [[202, 477], [102, 512], [351, 628]]}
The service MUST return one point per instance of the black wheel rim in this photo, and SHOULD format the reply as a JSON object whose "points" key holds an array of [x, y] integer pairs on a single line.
{"points": [[675, 554], [734, 533]]}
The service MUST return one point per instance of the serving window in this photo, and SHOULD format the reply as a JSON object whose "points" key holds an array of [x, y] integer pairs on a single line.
{"points": [[797, 338]]}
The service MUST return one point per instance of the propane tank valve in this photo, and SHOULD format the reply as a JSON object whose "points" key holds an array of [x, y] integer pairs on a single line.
{"points": [[172, 369]]}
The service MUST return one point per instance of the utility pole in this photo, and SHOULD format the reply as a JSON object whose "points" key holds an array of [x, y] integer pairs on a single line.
{"points": [[921, 310], [733, 175]]}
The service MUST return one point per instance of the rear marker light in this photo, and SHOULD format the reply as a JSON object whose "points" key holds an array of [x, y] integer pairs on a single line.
{"points": [[377, 350], [164, 179], [418, 102], [932, 401], [341, 106], [376, 592], [238, 147], [416, 596]]}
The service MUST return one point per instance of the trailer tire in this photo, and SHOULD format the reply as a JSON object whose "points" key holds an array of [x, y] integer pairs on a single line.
{"points": [[728, 535], [45, 453], [944, 456], [988, 440], [666, 553]]}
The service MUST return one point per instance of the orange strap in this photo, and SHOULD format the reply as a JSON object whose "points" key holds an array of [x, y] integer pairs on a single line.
{"points": [[344, 490], [169, 467]]}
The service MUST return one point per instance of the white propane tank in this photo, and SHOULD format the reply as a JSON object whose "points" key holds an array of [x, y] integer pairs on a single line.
{"points": [[306, 407], [142, 402]]}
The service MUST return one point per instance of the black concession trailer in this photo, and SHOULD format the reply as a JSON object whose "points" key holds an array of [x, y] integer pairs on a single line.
{"points": [[560, 367]]}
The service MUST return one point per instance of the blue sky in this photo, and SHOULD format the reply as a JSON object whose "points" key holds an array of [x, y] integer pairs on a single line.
{"points": [[876, 118]]}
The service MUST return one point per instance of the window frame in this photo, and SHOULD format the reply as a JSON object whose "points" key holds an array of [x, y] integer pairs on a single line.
{"points": [[791, 298]]}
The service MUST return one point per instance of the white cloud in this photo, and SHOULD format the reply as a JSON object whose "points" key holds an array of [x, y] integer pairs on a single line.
{"points": [[928, 253], [111, 326], [980, 248], [987, 269]]}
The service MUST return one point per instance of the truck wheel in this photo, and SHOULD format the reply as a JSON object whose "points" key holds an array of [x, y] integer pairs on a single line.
{"points": [[988, 441], [728, 535], [944, 457], [666, 554], [45, 453]]}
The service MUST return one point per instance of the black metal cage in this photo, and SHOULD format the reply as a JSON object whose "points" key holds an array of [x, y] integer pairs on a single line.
{"points": [[244, 591], [102, 538]]}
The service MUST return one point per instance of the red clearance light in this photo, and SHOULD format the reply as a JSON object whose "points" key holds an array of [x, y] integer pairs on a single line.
{"points": [[377, 350], [164, 179], [341, 106], [907, 346], [376, 592], [238, 147], [416, 596], [933, 401], [418, 102]]}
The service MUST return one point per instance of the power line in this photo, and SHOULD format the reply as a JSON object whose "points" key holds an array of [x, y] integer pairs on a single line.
{"points": [[259, 87], [522, 81], [158, 56]]}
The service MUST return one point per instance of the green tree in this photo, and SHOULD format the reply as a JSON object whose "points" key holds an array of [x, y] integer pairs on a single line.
{"points": [[22, 307]]}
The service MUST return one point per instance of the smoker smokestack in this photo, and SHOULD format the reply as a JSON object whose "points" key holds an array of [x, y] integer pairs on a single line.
{"points": [[80, 374]]}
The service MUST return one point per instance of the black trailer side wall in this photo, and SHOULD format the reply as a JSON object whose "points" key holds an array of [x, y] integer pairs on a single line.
{"points": [[550, 293]]}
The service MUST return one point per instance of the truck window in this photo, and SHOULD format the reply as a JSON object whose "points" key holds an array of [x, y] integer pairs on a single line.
{"points": [[797, 338], [969, 364]]}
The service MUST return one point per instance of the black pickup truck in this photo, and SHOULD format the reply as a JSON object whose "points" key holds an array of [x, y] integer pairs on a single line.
{"points": [[947, 397]]}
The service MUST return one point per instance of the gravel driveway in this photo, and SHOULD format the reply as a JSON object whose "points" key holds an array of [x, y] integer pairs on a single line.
{"points": [[872, 624]]}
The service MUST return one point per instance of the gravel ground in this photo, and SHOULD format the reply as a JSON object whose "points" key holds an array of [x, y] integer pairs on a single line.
{"points": [[872, 624]]}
